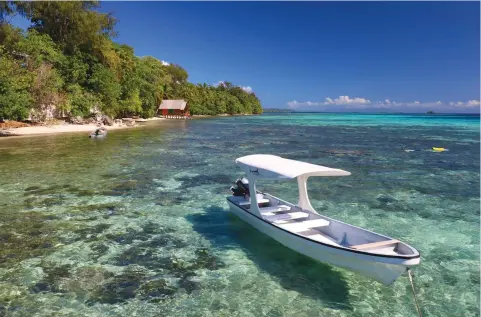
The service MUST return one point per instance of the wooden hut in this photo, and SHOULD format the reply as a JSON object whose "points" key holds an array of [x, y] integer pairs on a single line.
{"points": [[177, 109]]}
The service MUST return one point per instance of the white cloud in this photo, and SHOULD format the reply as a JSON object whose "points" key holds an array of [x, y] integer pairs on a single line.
{"points": [[345, 102], [329, 101], [473, 103], [247, 89], [219, 83], [292, 104], [295, 104], [341, 100], [165, 63], [468, 104]]}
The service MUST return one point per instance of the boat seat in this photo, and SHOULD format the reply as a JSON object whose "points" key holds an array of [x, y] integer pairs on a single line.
{"points": [[374, 244], [283, 217], [274, 209], [307, 233], [322, 238], [259, 201], [304, 225]]}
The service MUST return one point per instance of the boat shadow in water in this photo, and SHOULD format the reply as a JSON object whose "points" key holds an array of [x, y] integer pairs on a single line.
{"points": [[293, 271]]}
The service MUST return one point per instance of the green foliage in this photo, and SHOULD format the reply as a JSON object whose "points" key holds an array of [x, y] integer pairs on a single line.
{"points": [[75, 69], [152, 81], [177, 73], [103, 82], [226, 98], [67, 60], [39, 49], [46, 87], [9, 36], [74, 25], [14, 95], [132, 103], [81, 102]]}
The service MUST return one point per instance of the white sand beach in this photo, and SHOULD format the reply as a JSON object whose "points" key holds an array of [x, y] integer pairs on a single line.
{"points": [[60, 128], [64, 127]]}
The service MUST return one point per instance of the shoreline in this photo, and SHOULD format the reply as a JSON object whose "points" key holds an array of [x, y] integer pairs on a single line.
{"points": [[37, 130], [222, 115], [64, 128]]}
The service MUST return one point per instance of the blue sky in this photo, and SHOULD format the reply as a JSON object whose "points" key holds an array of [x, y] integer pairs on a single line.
{"points": [[331, 56]]}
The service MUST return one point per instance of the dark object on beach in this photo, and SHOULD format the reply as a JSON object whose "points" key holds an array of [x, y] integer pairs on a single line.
{"points": [[107, 120]]}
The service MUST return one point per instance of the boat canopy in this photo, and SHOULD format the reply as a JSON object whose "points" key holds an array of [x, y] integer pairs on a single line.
{"points": [[266, 166]]}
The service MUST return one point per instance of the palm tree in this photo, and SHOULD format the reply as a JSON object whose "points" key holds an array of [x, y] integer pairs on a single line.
{"points": [[169, 92]]}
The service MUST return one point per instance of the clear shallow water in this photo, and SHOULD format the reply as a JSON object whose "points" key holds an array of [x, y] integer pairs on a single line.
{"points": [[137, 224]]}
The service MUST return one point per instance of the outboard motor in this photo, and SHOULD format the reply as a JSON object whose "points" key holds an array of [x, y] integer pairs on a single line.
{"points": [[242, 188]]}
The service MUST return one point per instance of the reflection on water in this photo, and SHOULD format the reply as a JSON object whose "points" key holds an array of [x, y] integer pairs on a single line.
{"points": [[137, 223], [292, 270]]}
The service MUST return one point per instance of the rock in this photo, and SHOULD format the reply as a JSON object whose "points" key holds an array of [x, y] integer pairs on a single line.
{"points": [[188, 285], [107, 120], [128, 121], [75, 120], [118, 121], [90, 121], [32, 188], [6, 133], [125, 186], [386, 199], [98, 117], [156, 288], [86, 280], [118, 289]]}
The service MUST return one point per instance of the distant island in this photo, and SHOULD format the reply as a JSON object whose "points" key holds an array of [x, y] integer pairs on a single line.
{"points": [[66, 65], [271, 110]]}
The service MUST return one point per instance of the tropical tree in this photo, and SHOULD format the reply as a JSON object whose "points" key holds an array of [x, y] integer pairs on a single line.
{"points": [[67, 61], [15, 81]]}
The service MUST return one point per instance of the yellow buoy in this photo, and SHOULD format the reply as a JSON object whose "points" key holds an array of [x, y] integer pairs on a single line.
{"points": [[438, 149]]}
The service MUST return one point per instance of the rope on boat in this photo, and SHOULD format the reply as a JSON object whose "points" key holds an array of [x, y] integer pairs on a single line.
{"points": [[414, 293]]}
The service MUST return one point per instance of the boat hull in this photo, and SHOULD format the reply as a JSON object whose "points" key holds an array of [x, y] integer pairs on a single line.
{"points": [[382, 269], [97, 136]]}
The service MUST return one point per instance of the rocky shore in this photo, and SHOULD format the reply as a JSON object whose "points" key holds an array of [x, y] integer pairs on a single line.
{"points": [[76, 124]]}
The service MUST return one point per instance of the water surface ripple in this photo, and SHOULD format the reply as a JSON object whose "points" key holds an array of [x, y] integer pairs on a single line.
{"points": [[136, 224]]}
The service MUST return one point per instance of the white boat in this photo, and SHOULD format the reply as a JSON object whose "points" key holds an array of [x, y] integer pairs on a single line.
{"points": [[301, 228], [99, 133]]}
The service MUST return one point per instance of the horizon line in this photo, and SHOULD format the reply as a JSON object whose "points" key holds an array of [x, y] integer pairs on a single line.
{"points": [[371, 112]]}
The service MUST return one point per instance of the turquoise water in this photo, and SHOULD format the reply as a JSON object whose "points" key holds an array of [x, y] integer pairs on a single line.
{"points": [[137, 224]]}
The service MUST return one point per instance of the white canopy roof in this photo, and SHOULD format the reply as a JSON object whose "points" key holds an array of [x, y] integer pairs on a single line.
{"points": [[275, 167], [173, 104]]}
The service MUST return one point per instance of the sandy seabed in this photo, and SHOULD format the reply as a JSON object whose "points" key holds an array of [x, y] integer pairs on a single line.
{"points": [[138, 224]]}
